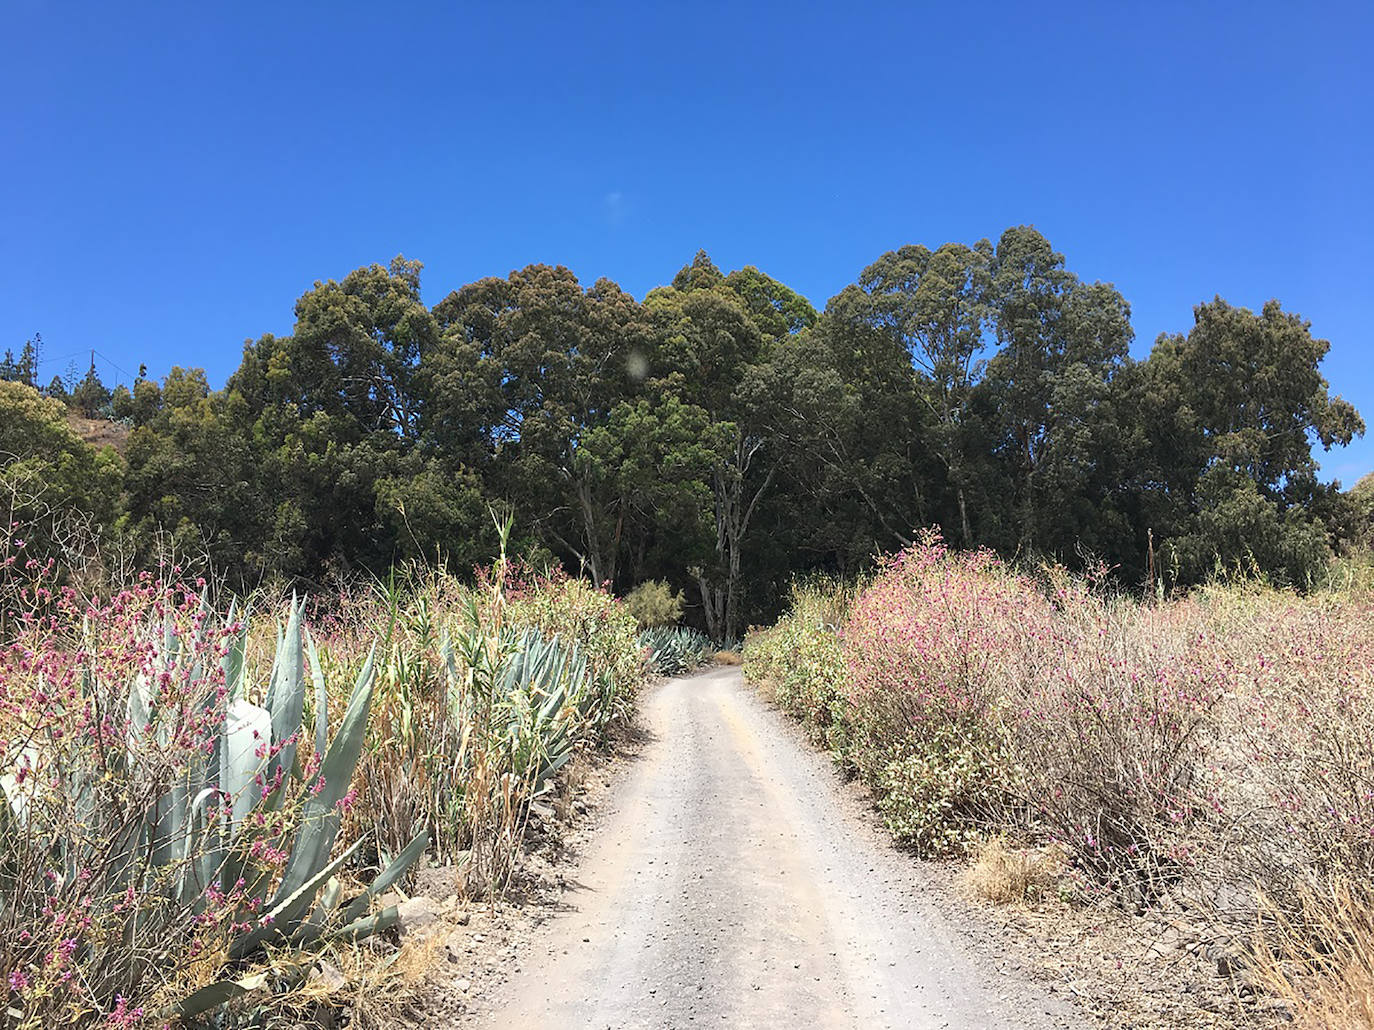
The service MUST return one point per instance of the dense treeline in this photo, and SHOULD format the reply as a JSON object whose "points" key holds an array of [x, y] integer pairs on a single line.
{"points": [[724, 435]]}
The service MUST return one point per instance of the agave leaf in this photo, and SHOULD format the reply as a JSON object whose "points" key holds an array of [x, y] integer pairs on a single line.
{"points": [[247, 729], [140, 710], [393, 872], [321, 694], [233, 662], [199, 872], [286, 694], [281, 919], [366, 926], [320, 819], [215, 995]]}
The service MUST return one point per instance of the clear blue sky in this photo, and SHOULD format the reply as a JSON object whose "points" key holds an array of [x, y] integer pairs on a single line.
{"points": [[173, 176]]}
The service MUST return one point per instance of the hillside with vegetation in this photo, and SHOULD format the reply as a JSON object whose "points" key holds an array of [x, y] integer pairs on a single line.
{"points": [[721, 435], [272, 652]]}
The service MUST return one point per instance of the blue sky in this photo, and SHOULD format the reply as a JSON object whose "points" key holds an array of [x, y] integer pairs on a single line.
{"points": [[173, 176]]}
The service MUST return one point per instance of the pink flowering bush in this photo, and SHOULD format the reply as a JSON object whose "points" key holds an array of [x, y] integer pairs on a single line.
{"points": [[109, 710], [1112, 737], [1295, 758], [930, 647], [1211, 744]]}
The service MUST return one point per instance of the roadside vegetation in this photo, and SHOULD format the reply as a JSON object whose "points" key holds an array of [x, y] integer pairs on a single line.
{"points": [[243, 698], [1213, 751], [208, 801]]}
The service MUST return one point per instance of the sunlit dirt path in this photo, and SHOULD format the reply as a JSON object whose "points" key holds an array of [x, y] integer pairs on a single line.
{"points": [[730, 886]]}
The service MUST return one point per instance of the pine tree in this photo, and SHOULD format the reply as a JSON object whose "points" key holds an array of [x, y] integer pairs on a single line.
{"points": [[27, 370]]}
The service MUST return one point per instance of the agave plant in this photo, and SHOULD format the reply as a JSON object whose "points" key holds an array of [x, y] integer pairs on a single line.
{"points": [[550, 697], [204, 809], [673, 650], [258, 748]]}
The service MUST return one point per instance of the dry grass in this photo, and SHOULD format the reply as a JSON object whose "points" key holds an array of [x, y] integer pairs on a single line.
{"points": [[727, 658], [100, 432], [1005, 875], [572, 783], [1321, 962]]}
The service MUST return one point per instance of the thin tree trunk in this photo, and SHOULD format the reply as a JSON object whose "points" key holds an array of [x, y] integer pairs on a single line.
{"points": [[963, 517]]}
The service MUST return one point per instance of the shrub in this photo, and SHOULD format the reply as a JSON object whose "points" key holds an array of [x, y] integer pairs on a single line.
{"points": [[466, 719], [929, 648], [653, 603], [575, 611], [800, 664], [1217, 747], [177, 790], [934, 793], [1111, 736]]}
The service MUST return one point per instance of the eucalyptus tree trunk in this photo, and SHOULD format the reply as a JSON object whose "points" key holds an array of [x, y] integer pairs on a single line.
{"points": [[735, 502]]}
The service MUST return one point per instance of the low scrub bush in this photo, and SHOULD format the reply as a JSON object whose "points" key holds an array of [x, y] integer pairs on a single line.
{"points": [[800, 664], [486, 690], [163, 819], [653, 603], [928, 649], [1216, 747]]}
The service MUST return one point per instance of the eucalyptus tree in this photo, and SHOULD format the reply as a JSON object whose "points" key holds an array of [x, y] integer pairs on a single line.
{"points": [[1233, 410], [534, 371], [334, 412], [718, 342], [933, 306], [1048, 391]]}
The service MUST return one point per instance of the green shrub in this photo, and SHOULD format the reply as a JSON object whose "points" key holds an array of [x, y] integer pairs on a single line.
{"points": [[653, 603], [800, 662], [929, 796]]}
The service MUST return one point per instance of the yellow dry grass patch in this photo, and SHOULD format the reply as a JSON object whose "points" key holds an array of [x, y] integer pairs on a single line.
{"points": [[1322, 962], [1005, 875]]}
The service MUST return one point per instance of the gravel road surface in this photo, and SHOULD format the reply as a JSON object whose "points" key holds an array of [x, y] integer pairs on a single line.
{"points": [[732, 884]]}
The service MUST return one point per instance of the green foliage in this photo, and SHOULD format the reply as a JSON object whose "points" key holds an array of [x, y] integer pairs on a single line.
{"points": [[654, 603], [574, 611], [23, 369], [723, 435], [197, 826], [55, 489], [925, 794], [800, 662], [1237, 405], [90, 394], [674, 650]]}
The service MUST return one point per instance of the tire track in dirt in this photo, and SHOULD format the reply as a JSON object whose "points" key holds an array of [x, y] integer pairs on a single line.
{"points": [[729, 886]]}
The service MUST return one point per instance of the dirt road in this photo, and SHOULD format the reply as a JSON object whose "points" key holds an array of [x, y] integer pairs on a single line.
{"points": [[731, 885]]}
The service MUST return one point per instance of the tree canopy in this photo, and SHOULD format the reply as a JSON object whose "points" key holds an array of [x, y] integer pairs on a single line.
{"points": [[721, 435]]}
